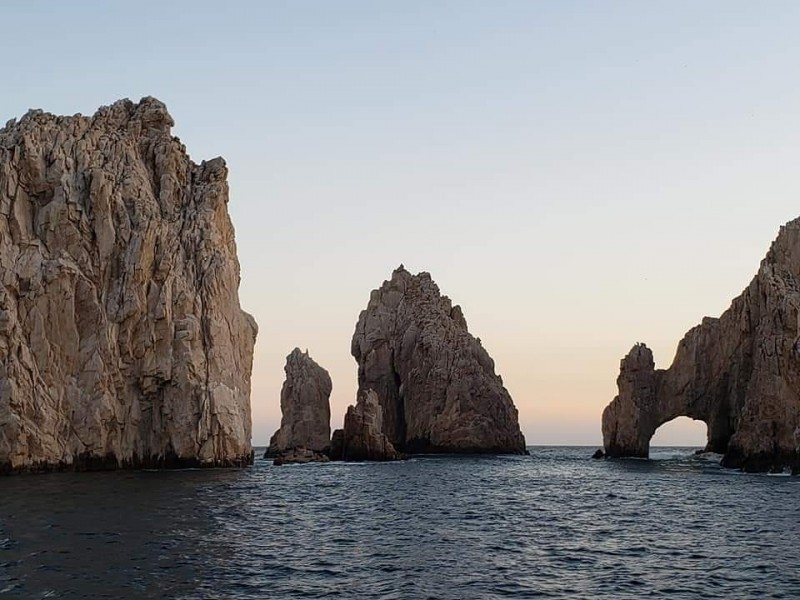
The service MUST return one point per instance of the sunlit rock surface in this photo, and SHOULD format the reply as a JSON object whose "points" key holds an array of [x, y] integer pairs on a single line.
{"points": [[739, 373], [434, 381], [305, 406], [122, 343]]}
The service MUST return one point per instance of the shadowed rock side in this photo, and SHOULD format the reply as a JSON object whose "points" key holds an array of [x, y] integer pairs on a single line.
{"points": [[362, 437], [122, 343], [435, 382], [739, 373], [305, 406]]}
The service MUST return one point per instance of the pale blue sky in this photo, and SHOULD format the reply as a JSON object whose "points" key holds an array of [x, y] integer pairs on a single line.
{"points": [[579, 176]]}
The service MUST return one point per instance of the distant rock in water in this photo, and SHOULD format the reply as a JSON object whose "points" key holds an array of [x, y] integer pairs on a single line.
{"points": [[362, 437], [122, 343], [299, 455], [435, 382], [740, 374], [598, 454], [305, 405]]}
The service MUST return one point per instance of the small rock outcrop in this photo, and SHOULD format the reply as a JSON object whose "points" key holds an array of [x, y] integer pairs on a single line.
{"points": [[740, 374], [362, 437], [122, 343], [299, 456], [435, 382], [305, 406]]}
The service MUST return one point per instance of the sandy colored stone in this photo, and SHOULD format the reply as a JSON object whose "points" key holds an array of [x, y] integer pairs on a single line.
{"points": [[435, 382], [121, 338], [305, 407], [739, 373]]}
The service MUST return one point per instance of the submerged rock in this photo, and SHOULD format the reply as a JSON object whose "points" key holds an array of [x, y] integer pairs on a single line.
{"points": [[299, 455], [305, 405], [740, 374], [435, 382], [362, 437], [122, 343]]}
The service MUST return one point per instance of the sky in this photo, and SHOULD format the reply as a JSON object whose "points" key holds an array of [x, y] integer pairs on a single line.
{"points": [[577, 175]]}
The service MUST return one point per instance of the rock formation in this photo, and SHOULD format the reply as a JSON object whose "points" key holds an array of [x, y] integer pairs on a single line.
{"points": [[362, 437], [435, 382], [739, 373], [122, 343], [305, 407], [299, 455]]}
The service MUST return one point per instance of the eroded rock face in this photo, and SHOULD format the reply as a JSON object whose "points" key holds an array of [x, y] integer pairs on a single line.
{"points": [[121, 338], [362, 437], [739, 373], [435, 382], [305, 406]]}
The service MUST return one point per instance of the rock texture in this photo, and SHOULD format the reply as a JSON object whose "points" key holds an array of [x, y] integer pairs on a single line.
{"points": [[739, 373], [362, 437], [435, 382], [122, 343], [305, 406]]}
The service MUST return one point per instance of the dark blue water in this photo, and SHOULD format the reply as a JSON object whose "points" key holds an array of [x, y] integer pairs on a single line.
{"points": [[552, 525]]}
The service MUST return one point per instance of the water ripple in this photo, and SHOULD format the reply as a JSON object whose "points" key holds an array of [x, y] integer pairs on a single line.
{"points": [[553, 525]]}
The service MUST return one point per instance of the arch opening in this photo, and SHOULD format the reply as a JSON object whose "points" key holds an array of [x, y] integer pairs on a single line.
{"points": [[682, 432]]}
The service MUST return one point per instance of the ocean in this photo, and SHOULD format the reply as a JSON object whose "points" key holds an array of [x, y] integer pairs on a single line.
{"points": [[554, 524]]}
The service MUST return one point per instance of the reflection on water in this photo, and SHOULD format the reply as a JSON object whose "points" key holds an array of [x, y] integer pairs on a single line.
{"points": [[554, 524]]}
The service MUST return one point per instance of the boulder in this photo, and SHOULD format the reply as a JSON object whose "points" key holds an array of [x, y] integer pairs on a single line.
{"points": [[739, 373], [435, 382], [122, 343]]}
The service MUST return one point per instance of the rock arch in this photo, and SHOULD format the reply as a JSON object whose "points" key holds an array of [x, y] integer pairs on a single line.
{"points": [[739, 373], [649, 397]]}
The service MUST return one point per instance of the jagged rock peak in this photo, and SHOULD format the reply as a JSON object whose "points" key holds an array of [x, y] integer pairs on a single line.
{"points": [[305, 405], [740, 374], [362, 437], [122, 342], [435, 382]]}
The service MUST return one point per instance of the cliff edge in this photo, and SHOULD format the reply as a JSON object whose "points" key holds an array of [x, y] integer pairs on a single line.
{"points": [[122, 343]]}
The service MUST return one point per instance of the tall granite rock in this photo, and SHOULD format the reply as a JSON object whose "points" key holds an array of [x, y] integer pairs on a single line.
{"points": [[435, 382], [362, 437], [739, 373], [305, 405], [122, 343]]}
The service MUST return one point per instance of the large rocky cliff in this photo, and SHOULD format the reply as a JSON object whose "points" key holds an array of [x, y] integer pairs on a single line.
{"points": [[121, 338], [739, 373], [435, 382]]}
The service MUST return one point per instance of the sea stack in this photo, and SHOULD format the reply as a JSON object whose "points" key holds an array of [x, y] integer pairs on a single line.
{"points": [[362, 437], [740, 374], [305, 430], [434, 381], [122, 343]]}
